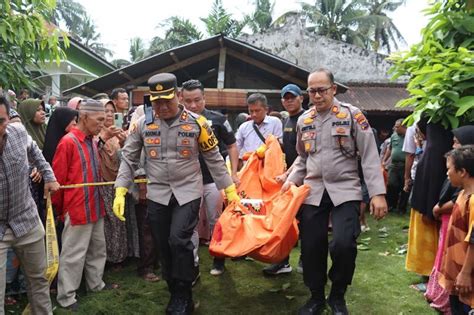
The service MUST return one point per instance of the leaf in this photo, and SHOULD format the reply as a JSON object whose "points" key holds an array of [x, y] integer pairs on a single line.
{"points": [[365, 239], [289, 297], [464, 104], [387, 253], [383, 229], [275, 290]]}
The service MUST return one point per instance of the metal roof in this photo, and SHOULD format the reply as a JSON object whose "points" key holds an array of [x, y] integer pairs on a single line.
{"points": [[198, 57], [376, 98]]}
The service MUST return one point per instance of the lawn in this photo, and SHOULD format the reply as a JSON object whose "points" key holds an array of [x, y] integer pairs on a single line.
{"points": [[380, 286]]}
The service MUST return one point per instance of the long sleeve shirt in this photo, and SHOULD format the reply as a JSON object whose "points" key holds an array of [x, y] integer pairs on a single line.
{"points": [[76, 161], [17, 208]]}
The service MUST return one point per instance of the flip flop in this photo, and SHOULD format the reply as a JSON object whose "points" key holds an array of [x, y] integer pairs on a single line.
{"points": [[151, 277], [420, 287]]}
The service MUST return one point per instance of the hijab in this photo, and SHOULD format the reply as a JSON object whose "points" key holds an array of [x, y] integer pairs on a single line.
{"points": [[464, 134], [27, 111], [74, 102], [58, 122]]}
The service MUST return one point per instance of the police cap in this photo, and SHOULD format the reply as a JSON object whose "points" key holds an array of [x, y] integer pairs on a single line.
{"points": [[162, 86]]}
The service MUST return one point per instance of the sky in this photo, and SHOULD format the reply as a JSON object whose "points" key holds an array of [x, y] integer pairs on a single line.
{"points": [[118, 23]]}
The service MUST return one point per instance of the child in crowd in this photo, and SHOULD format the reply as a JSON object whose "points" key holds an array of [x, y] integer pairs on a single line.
{"points": [[457, 275]]}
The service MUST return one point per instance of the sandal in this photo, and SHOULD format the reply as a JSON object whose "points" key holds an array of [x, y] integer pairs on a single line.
{"points": [[151, 277], [111, 286], [9, 300], [420, 287]]}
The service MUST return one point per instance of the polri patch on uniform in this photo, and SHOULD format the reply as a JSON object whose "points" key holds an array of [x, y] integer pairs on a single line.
{"points": [[364, 125], [185, 152], [341, 115], [187, 127], [307, 146], [133, 128], [185, 142], [153, 153], [340, 131], [335, 109], [152, 126]]}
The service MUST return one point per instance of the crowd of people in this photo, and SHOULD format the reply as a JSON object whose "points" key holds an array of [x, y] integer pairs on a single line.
{"points": [[171, 164]]}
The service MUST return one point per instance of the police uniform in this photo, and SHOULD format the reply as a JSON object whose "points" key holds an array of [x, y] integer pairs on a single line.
{"points": [[327, 146], [175, 186]]}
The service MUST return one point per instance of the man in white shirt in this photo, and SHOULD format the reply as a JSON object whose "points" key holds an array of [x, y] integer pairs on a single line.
{"points": [[252, 133]]}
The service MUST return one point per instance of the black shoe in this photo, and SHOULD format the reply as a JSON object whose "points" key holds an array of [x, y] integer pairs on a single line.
{"points": [[183, 306], [277, 269], [171, 305], [338, 306], [313, 307]]}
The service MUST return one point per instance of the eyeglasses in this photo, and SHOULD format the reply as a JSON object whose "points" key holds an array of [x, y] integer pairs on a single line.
{"points": [[320, 91]]}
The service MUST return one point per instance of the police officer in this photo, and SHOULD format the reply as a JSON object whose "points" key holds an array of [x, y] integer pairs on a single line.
{"points": [[172, 141], [328, 138], [193, 99]]}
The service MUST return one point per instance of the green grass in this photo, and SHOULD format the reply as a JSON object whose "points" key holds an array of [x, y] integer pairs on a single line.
{"points": [[380, 286]]}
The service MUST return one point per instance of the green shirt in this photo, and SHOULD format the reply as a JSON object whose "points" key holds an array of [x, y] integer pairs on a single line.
{"points": [[396, 143]]}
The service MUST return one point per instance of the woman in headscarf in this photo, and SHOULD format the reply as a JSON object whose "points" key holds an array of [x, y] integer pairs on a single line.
{"points": [[111, 140], [33, 117], [61, 122], [74, 103]]}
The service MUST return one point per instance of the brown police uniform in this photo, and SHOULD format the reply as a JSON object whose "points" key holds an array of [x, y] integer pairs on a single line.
{"points": [[175, 186], [327, 146]]}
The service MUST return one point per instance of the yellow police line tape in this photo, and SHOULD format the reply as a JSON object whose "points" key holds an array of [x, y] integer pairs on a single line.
{"points": [[136, 181], [52, 249]]}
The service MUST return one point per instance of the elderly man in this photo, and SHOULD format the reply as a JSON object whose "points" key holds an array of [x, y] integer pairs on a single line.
{"points": [[173, 141], [83, 242], [20, 225], [329, 138], [251, 134]]}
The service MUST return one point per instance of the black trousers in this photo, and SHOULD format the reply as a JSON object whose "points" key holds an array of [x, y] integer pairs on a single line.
{"points": [[458, 307], [397, 198], [314, 243], [172, 227]]}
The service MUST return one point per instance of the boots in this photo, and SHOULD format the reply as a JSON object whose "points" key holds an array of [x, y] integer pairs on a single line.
{"points": [[184, 304], [315, 305], [337, 302], [172, 302]]}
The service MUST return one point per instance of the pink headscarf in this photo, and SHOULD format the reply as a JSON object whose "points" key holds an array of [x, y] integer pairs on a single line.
{"points": [[74, 103]]}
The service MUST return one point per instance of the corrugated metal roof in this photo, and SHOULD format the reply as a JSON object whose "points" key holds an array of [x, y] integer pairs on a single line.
{"points": [[187, 57], [375, 98]]}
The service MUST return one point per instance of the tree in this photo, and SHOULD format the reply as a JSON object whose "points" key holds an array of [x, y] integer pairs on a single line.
{"points": [[441, 66], [137, 49], [179, 32], [89, 37], [338, 20], [71, 13], [219, 21], [260, 20], [383, 32], [27, 40]]}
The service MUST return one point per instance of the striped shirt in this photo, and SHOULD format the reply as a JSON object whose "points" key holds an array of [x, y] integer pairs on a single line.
{"points": [[76, 161], [17, 208]]}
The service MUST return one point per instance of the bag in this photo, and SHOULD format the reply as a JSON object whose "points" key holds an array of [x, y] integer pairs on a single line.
{"points": [[270, 234]]}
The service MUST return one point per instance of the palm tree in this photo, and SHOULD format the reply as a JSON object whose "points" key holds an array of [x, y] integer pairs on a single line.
{"points": [[90, 38], [337, 19], [219, 21], [179, 32], [385, 35], [261, 19], [137, 49], [71, 13]]}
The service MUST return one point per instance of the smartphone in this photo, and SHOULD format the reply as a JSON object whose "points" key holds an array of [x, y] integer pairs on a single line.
{"points": [[148, 109], [118, 120]]}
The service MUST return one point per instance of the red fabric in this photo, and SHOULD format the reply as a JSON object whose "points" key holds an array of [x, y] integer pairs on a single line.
{"points": [[68, 170]]}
